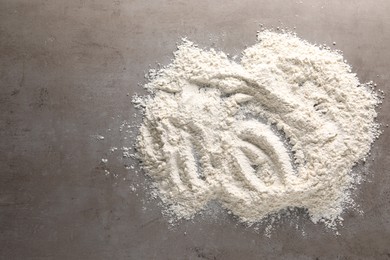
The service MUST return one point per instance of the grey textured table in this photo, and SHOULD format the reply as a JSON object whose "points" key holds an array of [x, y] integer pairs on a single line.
{"points": [[66, 68]]}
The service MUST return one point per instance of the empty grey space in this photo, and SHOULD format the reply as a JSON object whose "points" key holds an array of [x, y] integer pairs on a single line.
{"points": [[68, 70]]}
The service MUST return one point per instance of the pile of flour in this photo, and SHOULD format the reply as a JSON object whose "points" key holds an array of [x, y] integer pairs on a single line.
{"points": [[281, 129]]}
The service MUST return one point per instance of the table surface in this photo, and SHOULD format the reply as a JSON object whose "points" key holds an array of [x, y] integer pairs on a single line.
{"points": [[68, 70]]}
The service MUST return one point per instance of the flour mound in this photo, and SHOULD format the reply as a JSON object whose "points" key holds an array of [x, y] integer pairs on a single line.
{"points": [[281, 129]]}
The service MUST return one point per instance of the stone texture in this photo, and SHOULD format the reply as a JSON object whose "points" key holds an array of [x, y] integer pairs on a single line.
{"points": [[68, 70]]}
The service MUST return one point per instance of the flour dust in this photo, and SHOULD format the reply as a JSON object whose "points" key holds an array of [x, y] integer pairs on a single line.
{"points": [[280, 129]]}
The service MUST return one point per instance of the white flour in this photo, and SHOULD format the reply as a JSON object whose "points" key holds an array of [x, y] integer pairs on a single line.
{"points": [[281, 129]]}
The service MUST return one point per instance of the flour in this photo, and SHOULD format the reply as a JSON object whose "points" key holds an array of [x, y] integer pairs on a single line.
{"points": [[281, 129]]}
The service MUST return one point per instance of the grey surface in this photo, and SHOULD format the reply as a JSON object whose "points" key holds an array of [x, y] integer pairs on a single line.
{"points": [[65, 70]]}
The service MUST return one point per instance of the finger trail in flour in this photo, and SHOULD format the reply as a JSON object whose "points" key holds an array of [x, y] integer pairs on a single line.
{"points": [[280, 129]]}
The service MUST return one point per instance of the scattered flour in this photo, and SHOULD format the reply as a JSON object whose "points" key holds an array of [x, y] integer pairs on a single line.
{"points": [[280, 129]]}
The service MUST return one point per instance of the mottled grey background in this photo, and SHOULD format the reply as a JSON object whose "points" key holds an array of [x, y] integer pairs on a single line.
{"points": [[66, 68]]}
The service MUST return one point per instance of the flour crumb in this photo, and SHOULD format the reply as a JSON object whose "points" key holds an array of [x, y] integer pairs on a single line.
{"points": [[98, 137]]}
